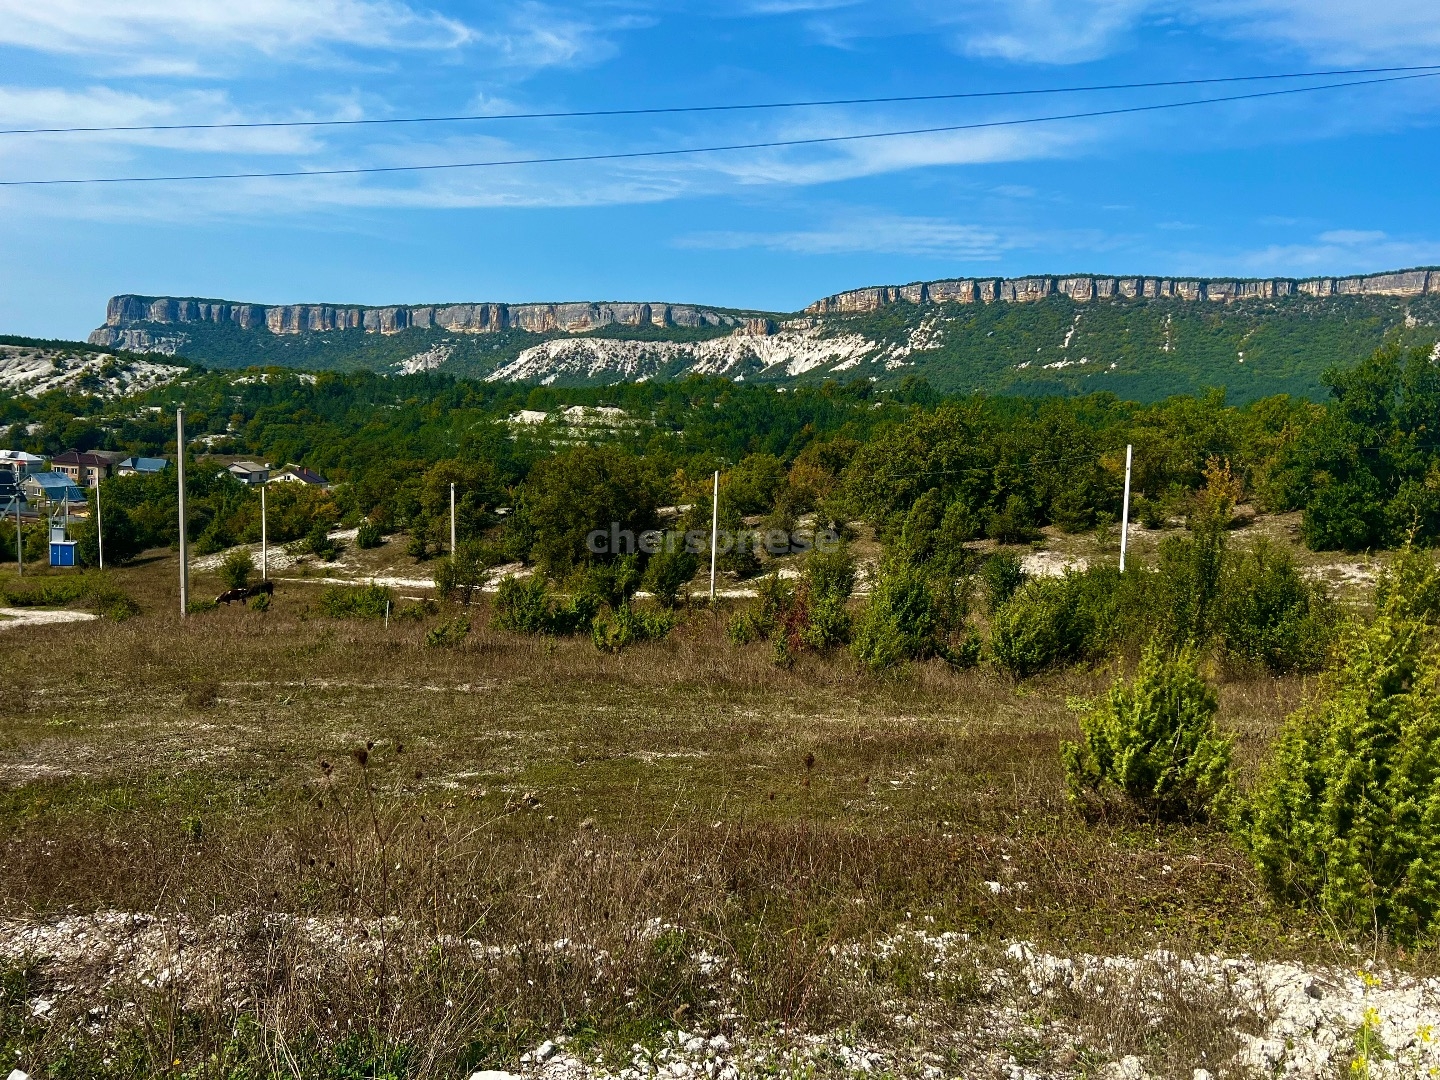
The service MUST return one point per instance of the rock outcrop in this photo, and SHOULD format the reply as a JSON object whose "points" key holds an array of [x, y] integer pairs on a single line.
{"points": [[1087, 288], [131, 315]]}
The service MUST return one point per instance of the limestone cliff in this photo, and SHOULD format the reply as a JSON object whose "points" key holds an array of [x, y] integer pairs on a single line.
{"points": [[1088, 288], [125, 313]]}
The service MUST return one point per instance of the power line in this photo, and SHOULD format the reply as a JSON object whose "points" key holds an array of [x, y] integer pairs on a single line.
{"points": [[631, 155], [668, 110]]}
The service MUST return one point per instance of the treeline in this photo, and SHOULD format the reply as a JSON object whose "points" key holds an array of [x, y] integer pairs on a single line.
{"points": [[929, 472]]}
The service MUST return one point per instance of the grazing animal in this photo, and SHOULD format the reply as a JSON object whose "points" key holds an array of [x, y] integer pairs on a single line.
{"points": [[266, 587]]}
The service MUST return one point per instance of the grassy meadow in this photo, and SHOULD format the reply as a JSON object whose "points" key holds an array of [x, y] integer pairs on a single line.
{"points": [[353, 854]]}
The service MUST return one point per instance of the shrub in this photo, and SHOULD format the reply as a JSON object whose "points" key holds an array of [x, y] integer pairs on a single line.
{"points": [[317, 542], [1002, 574], [1153, 743], [465, 571], [627, 625], [522, 605], [355, 601], [668, 572], [828, 582], [812, 615], [1270, 614], [235, 571], [526, 606], [1188, 584], [260, 603], [105, 598], [368, 535], [448, 633], [1346, 818], [775, 597], [905, 620], [1083, 615]]}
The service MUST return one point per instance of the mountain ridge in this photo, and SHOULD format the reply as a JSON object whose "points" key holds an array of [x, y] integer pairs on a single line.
{"points": [[1140, 337]]}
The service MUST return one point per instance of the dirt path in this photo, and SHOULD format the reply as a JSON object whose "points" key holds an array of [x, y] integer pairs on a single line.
{"points": [[11, 618]]}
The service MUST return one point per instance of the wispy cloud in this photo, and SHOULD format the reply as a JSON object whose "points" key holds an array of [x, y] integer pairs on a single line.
{"points": [[267, 26], [865, 233], [1342, 251]]}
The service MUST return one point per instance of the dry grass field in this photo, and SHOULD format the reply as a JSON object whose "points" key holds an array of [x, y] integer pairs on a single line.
{"points": [[255, 844]]}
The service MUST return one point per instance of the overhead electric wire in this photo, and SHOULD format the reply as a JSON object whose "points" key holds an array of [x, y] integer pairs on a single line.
{"points": [[664, 110], [630, 155]]}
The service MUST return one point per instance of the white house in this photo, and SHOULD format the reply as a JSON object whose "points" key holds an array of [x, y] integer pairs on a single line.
{"points": [[249, 472]]}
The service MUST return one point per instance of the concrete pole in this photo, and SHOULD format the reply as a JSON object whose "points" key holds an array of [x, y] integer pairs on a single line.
{"points": [[99, 527], [1125, 510], [264, 538], [180, 483], [19, 541], [452, 522], [714, 533]]}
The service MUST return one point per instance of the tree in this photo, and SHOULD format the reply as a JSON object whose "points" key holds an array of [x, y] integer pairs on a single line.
{"points": [[601, 490], [1346, 818]]}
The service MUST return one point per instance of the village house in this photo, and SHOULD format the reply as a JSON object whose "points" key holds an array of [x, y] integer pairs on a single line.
{"points": [[85, 469], [249, 473], [298, 474], [20, 463], [52, 487], [133, 465]]}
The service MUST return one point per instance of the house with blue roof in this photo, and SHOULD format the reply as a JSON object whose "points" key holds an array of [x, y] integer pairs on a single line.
{"points": [[132, 465], [52, 487]]}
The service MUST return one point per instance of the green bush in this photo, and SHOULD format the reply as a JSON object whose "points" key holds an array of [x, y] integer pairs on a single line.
{"points": [[522, 605], [1346, 818], [448, 633], [355, 601], [260, 602], [1002, 574], [526, 606], [1084, 615], [235, 571], [905, 620], [1152, 742], [668, 572], [1188, 600], [1270, 614], [828, 581], [368, 535], [757, 623], [317, 542], [626, 625]]}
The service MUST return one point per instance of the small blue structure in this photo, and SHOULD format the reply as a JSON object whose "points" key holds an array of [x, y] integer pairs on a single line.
{"points": [[62, 548]]}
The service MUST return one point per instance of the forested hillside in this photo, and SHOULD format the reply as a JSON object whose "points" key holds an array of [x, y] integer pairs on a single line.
{"points": [[1138, 348]]}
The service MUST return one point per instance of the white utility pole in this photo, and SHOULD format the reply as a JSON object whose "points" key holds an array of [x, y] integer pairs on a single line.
{"points": [[180, 483], [714, 533], [452, 522], [264, 539], [1125, 509], [19, 541], [99, 527]]}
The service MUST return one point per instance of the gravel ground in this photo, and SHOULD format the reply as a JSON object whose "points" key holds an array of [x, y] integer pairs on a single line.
{"points": [[1028, 1021]]}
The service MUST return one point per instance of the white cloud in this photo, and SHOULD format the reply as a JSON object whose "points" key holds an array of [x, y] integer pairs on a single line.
{"points": [[865, 232], [1339, 30], [1047, 31], [268, 26], [1342, 251]]}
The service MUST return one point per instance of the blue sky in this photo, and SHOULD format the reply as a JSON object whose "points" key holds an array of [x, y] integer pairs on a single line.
{"points": [[1335, 182]]}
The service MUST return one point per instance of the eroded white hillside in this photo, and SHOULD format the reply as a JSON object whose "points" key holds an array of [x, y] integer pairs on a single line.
{"points": [[799, 347], [34, 371]]}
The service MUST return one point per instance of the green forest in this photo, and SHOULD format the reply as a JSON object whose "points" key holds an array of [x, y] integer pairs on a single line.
{"points": [[1362, 467]]}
